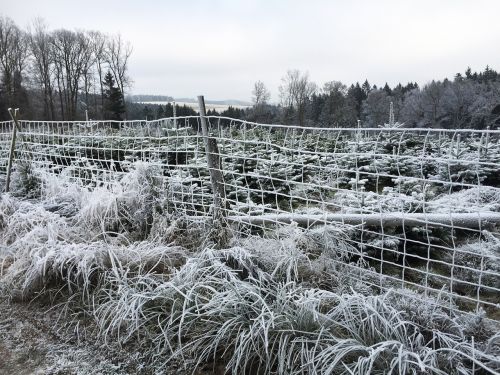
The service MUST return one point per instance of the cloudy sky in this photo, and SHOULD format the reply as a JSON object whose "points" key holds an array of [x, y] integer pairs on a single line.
{"points": [[219, 48]]}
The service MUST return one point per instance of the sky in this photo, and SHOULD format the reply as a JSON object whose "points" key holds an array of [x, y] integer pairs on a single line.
{"points": [[219, 48]]}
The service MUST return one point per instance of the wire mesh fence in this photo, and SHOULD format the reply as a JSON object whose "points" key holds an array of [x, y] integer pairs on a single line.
{"points": [[5, 139], [417, 208]]}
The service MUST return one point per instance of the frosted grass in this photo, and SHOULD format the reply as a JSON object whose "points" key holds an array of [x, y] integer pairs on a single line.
{"points": [[278, 304]]}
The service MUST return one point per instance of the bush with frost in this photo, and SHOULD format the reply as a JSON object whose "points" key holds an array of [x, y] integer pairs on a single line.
{"points": [[25, 181]]}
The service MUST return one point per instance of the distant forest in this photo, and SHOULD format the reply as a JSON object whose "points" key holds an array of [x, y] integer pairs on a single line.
{"points": [[70, 75], [471, 100]]}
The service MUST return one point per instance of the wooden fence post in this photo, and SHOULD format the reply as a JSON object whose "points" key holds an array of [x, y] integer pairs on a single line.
{"points": [[213, 160], [175, 114], [13, 115]]}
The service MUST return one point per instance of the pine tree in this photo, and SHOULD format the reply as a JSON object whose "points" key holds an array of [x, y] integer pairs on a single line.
{"points": [[114, 106], [169, 110], [489, 74], [147, 113], [387, 89], [160, 113], [410, 86], [468, 73], [357, 94], [366, 87]]}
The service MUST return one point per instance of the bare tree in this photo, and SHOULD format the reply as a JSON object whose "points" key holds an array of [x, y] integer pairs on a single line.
{"points": [[375, 108], [88, 68], [413, 111], [295, 92], [65, 69], [98, 43], [118, 52], [432, 96], [13, 57], [458, 102], [334, 87], [40, 44], [261, 94], [71, 58]]}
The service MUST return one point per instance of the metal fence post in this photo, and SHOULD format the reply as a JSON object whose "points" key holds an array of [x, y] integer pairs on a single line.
{"points": [[213, 160], [13, 115]]}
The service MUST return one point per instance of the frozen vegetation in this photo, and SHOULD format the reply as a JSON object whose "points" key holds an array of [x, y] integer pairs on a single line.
{"points": [[192, 295]]}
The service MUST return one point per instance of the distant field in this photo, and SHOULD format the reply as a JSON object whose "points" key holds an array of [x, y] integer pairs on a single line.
{"points": [[217, 107]]}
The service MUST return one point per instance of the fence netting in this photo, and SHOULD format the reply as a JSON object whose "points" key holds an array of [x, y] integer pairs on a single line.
{"points": [[415, 208], [5, 140]]}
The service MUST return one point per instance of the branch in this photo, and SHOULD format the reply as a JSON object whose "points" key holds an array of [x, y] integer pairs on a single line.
{"points": [[396, 219]]}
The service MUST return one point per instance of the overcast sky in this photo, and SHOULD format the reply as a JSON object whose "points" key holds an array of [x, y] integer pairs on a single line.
{"points": [[219, 48]]}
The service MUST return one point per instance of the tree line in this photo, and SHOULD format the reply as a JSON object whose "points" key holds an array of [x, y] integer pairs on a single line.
{"points": [[62, 74], [73, 74], [469, 100]]}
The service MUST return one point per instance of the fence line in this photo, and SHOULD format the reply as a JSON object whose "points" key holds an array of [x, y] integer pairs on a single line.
{"points": [[418, 207]]}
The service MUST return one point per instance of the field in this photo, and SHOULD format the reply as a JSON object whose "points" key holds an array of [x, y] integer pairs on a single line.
{"points": [[281, 250], [210, 107]]}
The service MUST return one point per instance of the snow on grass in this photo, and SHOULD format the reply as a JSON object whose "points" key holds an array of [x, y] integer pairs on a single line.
{"points": [[220, 306], [468, 200], [274, 304]]}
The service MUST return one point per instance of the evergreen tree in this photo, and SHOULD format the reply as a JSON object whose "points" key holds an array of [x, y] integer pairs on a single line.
{"points": [[315, 108], [147, 113], [387, 89], [366, 87], [233, 112], [184, 111], [160, 113], [357, 94], [489, 74], [468, 73], [169, 110], [409, 87], [114, 106]]}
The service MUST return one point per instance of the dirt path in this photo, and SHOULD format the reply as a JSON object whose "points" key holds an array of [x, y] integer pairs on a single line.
{"points": [[30, 344]]}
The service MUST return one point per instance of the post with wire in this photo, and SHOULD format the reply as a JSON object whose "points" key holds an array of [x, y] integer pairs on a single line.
{"points": [[213, 161], [14, 115]]}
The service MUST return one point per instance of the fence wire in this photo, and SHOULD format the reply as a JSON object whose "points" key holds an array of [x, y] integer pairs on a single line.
{"points": [[418, 208], [5, 139]]}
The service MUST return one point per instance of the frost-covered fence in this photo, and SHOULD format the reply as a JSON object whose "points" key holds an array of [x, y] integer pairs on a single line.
{"points": [[5, 140], [415, 208]]}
